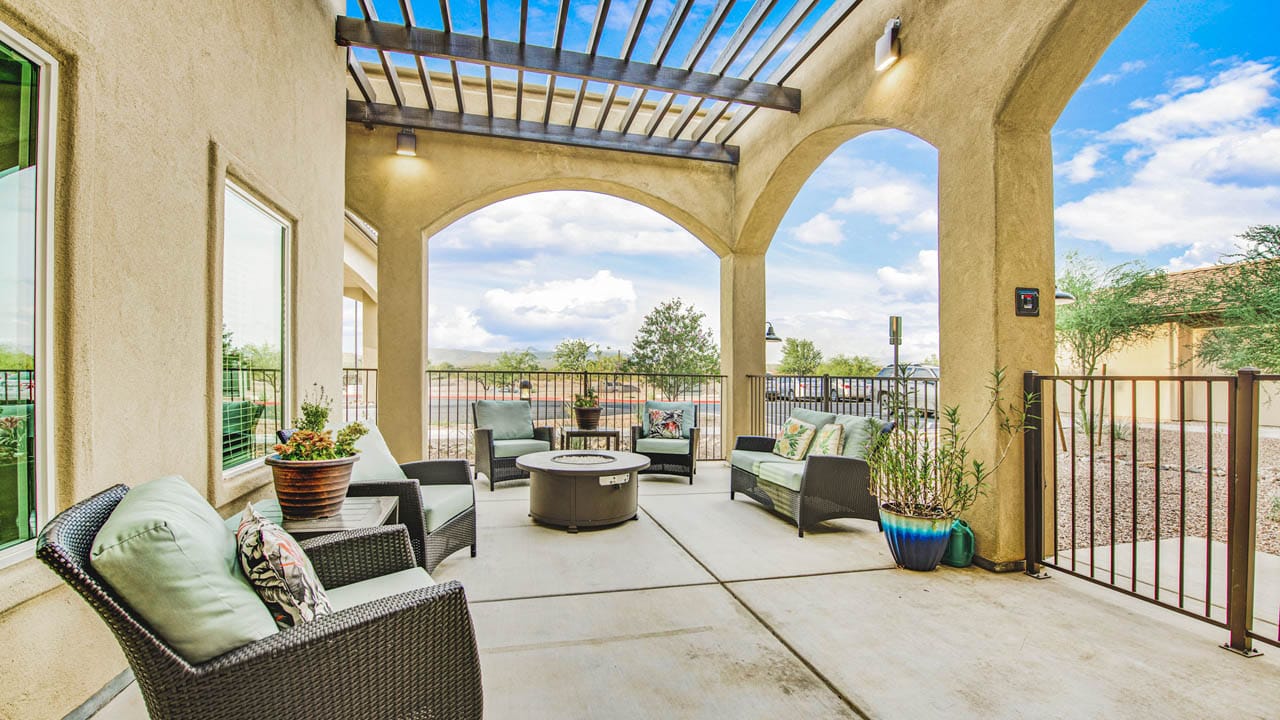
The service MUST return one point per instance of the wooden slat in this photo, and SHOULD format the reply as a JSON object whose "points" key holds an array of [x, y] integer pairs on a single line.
{"points": [[675, 21], [699, 47], [628, 48], [362, 80]]}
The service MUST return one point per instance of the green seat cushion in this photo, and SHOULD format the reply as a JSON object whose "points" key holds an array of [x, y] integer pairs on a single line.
{"points": [[858, 431], [169, 556], [816, 418], [750, 460], [376, 461], [442, 503], [663, 445], [240, 416], [786, 474], [508, 419], [383, 586], [688, 419], [516, 448]]}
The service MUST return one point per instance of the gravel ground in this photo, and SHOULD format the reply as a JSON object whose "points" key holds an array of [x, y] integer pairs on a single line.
{"points": [[1205, 488]]}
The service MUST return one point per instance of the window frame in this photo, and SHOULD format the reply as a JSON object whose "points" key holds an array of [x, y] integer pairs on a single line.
{"points": [[241, 189], [46, 201]]}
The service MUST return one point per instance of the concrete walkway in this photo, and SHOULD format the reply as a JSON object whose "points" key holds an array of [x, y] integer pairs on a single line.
{"points": [[711, 608]]}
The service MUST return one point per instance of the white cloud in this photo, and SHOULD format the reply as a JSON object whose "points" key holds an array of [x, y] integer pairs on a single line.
{"points": [[1127, 68], [570, 222], [459, 328], [892, 197], [1234, 95], [579, 304], [919, 280], [821, 229], [1081, 168]]}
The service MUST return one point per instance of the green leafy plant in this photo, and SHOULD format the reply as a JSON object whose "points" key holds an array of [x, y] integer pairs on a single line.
{"points": [[587, 399], [913, 473], [312, 441], [13, 438]]}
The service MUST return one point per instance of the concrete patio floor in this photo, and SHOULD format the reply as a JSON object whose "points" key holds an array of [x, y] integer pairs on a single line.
{"points": [[711, 608]]}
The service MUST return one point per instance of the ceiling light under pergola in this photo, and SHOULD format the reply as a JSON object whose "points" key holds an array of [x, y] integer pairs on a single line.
{"points": [[407, 143]]}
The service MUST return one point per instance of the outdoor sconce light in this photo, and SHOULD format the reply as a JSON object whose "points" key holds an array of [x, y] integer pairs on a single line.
{"points": [[526, 389], [407, 143], [888, 48], [1062, 297], [769, 334]]}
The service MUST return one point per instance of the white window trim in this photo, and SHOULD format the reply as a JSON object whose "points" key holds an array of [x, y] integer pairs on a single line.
{"points": [[45, 202], [286, 319]]}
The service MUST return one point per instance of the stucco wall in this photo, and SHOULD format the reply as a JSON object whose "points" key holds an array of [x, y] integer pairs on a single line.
{"points": [[158, 102]]}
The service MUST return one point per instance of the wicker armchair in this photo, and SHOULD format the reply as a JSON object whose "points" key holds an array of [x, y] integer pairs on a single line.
{"points": [[832, 486], [661, 460], [406, 655], [499, 469]]}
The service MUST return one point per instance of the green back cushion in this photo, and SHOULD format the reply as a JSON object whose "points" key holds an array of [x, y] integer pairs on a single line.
{"points": [[509, 419], [816, 418], [858, 431], [376, 461], [687, 421], [240, 416], [169, 556]]}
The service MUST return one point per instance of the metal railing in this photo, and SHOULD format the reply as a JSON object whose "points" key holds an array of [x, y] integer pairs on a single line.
{"points": [[1148, 485], [250, 432], [17, 386], [772, 398], [360, 394], [622, 397]]}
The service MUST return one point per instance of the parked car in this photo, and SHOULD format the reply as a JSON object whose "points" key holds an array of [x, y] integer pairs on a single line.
{"points": [[921, 388], [617, 387]]}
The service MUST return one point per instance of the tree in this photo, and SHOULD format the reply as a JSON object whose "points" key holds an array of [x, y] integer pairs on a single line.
{"points": [[672, 340], [12, 358], [572, 355], [1245, 296], [846, 366], [799, 357], [508, 366], [1114, 307]]}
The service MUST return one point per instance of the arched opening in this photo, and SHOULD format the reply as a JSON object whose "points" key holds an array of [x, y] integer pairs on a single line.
{"points": [[858, 244]]}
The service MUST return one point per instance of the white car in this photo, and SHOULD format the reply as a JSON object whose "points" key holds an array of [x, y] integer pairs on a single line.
{"points": [[920, 391]]}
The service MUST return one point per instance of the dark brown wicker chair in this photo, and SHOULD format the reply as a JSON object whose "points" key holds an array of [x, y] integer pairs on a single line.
{"points": [[678, 464], [833, 486], [500, 469], [411, 655]]}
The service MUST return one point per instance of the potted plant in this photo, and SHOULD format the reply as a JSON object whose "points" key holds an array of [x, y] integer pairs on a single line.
{"points": [[924, 481], [586, 409], [312, 468], [13, 474]]}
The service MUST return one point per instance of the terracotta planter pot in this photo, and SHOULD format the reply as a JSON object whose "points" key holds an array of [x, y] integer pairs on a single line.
{"points": [[587, 418], [310, 489], [917, 543]]}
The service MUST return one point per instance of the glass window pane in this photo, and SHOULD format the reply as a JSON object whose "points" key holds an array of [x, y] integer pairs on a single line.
{"points": [[253, 296], [19, 86]]}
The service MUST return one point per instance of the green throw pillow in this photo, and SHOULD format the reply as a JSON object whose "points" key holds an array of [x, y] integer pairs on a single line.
{"points": [[828, 440], [794, 439]]}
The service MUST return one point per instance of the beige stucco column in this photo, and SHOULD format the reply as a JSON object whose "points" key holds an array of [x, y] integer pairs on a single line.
{"points": [[369, 328], [401, 318], [741, 339], [995, 234]]}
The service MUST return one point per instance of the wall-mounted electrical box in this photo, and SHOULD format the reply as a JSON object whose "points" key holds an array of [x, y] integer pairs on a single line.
{"points": [[1028, 302]]}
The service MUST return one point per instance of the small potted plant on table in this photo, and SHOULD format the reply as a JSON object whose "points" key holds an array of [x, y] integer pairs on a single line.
{"points": [[924, 481], [312, 468], [586, 409]]}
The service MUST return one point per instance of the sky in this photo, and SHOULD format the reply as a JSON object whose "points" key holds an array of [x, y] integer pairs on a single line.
{"points": [[1170, 148]]}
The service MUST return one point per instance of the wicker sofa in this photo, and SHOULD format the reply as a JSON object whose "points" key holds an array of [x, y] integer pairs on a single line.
{"points": [[817, 488], [504, 431], [669, 456], [398, 644]]}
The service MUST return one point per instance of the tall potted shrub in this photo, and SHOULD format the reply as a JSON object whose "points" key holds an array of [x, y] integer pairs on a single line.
{"points": [[312, 468], [924, 482]]}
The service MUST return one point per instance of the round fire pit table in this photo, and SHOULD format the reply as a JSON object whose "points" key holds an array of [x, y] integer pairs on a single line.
{"points": [[583, 488]]}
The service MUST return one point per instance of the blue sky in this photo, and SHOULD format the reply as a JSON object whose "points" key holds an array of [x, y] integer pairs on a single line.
{"points": [[1170, 148]]}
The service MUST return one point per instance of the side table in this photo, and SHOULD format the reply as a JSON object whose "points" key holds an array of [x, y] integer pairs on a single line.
{"points": [[356, 513], [612, 438]]}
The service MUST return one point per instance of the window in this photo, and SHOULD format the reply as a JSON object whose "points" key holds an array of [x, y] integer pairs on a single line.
{"points": [[26, 78], [254, 336]]}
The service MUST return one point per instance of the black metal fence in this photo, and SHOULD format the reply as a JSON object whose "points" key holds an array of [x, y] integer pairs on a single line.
{"points": [[360, 394], [772, 398], [252, 412], [622, 397], [17, 386], [1149, 485]]}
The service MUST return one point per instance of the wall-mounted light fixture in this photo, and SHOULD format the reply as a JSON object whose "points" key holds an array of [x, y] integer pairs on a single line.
{"points": [[407, 143], [769, 334], [1062, 297], [888, 47]]}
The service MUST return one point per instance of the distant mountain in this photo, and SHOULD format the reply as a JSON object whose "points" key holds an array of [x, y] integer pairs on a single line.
{"points": [[477, 358]]}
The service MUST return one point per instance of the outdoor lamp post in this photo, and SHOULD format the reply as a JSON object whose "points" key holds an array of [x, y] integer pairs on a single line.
{"points": [[526, 390]]}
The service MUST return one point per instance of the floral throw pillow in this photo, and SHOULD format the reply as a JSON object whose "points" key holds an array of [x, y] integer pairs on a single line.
{"points": [[794, 439], [666, 424], [828, 440], [279, 571]]}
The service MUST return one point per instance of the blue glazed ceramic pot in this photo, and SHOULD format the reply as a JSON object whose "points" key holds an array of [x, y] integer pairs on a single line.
{"points": [[917, 543]]}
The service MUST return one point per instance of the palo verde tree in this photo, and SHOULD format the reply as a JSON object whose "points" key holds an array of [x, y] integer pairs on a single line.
{"points": [[1245, 297], [849, 366], [674, 341], [799, 357]]}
